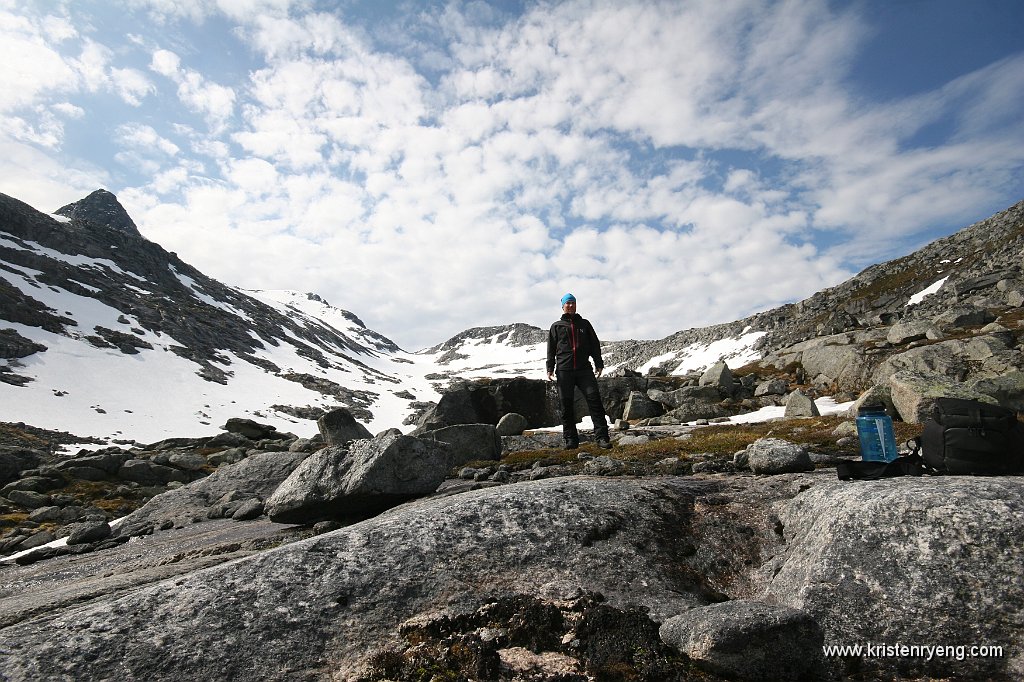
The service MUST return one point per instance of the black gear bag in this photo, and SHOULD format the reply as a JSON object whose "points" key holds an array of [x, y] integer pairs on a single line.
{"points": [[972, 437]]}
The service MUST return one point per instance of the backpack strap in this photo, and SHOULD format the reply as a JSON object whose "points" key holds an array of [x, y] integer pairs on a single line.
{"points": [[908, 465]]}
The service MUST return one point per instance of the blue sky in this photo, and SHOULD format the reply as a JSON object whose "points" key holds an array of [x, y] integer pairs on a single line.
{"points": [[434, 166]]}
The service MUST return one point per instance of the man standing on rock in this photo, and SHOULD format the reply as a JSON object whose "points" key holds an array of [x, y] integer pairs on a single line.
{"points": [[572, 341]]}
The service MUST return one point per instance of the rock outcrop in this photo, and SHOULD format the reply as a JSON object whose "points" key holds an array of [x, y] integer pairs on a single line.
{"points": [[911, 561], [776, 562], [363, 479], [320, 607], [219, 495]]}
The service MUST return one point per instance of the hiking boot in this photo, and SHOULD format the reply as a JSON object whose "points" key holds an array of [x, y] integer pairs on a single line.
{"points": [[572, 444], [604, 443]]}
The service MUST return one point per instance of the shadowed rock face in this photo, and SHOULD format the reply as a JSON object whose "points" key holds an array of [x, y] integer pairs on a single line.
{"points": [[101, 208]]}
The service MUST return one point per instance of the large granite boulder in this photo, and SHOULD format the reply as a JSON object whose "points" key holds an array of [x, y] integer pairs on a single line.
{"points": [[468, 442], [922, 561], [485, 402], [1007, 389], [958, 360], [639, 406], [720, 376], [339, 427], [364, 479], [799, 405], [905, 561], [14, 460], [615, 392], [914, 394]]}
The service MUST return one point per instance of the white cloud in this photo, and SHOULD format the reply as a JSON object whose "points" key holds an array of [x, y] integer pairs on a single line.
{"points": [[131, 85], [673, 163], [32, 68], [214, 101], [166, 63], [145, 137], [41, 127], [39, 179]]}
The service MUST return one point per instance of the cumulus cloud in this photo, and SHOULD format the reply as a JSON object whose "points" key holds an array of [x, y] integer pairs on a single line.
{"points": [[214, 101], [32, 67], [672, 163]]}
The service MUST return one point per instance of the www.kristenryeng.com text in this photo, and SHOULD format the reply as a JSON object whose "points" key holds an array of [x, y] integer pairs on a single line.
{"points": [[958, 652]]}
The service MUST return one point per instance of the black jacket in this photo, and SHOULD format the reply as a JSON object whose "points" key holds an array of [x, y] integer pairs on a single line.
{"points": [[571, 340]]}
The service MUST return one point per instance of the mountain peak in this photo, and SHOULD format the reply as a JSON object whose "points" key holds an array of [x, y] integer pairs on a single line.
{"points": [[102, 208]]}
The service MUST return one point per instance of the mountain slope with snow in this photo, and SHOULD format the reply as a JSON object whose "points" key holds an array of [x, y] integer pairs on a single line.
{"points": [[104, 333]]}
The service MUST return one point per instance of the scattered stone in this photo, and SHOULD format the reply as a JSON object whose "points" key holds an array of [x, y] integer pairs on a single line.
{"points": [[800, 405], [229, 456], [468, 442], [748, 640], [29, 499], [915, 330], [38, 484], [302, 445], [248, 510], [191, 461], [771, 387], [673, 466], [714, 466], [229, 439], [14, 460], [604, 466], [777, 456], [250, 429], [147, 473], [512, 424], [38, 539], [89, 532]]}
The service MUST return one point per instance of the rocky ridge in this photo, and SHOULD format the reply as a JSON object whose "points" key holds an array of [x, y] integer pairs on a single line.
{"points": [[978, 266]]}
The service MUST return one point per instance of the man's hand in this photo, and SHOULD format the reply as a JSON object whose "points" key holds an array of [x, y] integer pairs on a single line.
{"points": [[550, 375], [599, 372]]}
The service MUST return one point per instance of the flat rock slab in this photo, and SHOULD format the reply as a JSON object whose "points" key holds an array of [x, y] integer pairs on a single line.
{"points": [[52, 585]]}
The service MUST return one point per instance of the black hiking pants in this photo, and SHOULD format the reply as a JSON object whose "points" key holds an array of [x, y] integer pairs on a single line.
{"points": [[568, 380]]}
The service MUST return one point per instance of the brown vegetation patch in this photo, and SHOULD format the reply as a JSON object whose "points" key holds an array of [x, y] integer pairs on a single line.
{"points": [[720, 441]]}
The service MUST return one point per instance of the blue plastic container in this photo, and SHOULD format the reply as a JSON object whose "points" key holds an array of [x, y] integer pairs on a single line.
{"points": [[877, 439]]}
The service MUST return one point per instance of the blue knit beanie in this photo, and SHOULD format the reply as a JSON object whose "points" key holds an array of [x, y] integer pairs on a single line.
{"points": [[567, 298]]}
